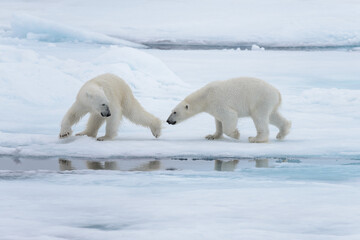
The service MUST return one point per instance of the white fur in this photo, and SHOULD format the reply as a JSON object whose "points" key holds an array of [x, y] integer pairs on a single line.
{"points": [[232, 99], [101, 95]]}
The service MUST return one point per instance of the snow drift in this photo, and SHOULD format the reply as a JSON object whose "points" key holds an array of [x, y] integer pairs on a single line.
{"points": [[280, 23], [34, 28]]}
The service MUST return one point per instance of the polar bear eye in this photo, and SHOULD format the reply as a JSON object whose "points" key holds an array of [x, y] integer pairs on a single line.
{"points": [[103, 104], [174, 112]]}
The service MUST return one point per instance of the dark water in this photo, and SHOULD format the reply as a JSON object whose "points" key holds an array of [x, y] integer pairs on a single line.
{"points": [[167, 164], [135, 164], [279, 169], [168, 45]]}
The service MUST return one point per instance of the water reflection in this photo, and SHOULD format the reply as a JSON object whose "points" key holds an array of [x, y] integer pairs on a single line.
{"points": [[146, 164], [66, 165], [261, 163], [227, 166], [149, 166], [219, 165], [107, 165], [231, 165]]}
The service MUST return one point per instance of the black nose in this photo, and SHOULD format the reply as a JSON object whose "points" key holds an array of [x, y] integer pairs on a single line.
{"points": [[170, 122], [108, 114]]}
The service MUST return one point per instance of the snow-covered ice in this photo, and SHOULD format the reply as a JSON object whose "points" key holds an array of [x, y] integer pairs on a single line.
{"points": [[179, 186], [34, 28], [270, 23], [320, 95]]}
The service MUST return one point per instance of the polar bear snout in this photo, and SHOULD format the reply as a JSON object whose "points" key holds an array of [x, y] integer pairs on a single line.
{"points": [[105, 111], [171, 122], [108, 114]]}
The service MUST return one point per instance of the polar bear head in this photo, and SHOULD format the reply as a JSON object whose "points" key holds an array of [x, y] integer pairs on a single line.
{"points": [[180, 113], [97, 102]]}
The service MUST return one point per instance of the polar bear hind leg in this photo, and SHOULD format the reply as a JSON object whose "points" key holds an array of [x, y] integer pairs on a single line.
{"points": [[112, 125], [229, 120], [261, 121], [281, 123], [218, 133], [138, 115], [94, 123]]}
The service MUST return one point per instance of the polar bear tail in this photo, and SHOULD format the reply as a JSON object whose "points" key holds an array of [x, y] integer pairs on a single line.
{"points": [[133, 110], [280, 100]]}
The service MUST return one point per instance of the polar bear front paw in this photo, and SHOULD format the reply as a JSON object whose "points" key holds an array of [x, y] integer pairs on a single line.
{"points": [[103, 138], [65, 133], [213, 136]]}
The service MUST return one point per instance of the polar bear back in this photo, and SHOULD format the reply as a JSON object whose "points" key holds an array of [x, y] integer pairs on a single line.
{"points": [[243, 95], [111, 85]]}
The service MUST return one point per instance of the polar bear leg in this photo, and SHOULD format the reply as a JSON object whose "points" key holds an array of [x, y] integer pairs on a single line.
{"points": [[94, 123], [71, 117], [112, 125], [281, 123], [261, 121], [229, 120], [218, 133]]}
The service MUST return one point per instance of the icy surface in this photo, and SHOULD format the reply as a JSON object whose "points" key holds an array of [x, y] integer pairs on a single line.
{"points": [[39, 82], [34, 28], [179, 186], [270, 23]]}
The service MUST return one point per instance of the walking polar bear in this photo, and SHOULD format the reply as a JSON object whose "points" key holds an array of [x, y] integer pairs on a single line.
{"points": [[107, 98], [232, 99]]}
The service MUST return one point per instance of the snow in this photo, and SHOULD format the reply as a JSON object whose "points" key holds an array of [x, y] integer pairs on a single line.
{"points": [[265, 23], [179, 186], [34, 28], [255, 47]]}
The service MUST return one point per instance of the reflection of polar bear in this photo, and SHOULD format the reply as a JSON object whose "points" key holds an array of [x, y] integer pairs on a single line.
{"points": [[229, 100], [107, 97]]}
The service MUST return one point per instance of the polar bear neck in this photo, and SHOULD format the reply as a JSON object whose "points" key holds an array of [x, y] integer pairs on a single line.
{"points": [[197, 100]]}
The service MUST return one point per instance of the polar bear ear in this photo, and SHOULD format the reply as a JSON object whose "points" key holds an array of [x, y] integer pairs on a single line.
{"points": [[88, 95], [186, 107]]}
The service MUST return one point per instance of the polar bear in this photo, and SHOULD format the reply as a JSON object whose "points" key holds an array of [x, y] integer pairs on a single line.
{"points": [[107, 98], [232, 99]]}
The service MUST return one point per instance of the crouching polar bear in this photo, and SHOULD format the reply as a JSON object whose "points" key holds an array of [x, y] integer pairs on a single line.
{"points": [[107, 98], [232, 99]]}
